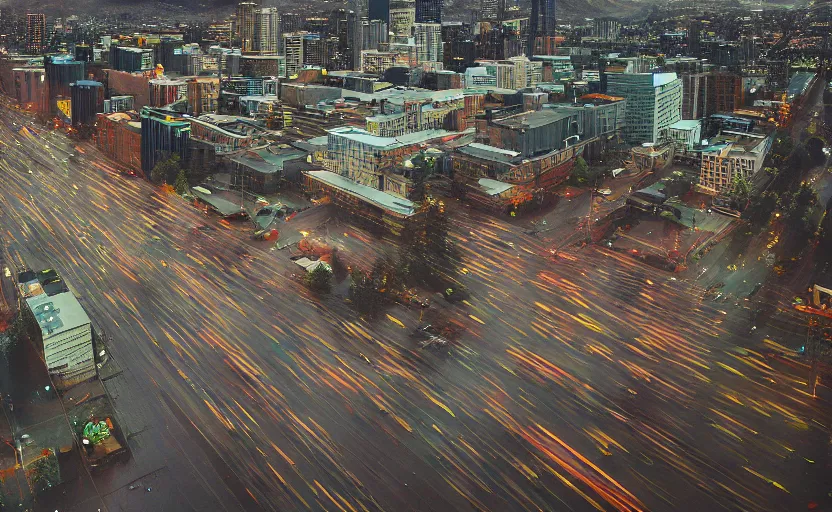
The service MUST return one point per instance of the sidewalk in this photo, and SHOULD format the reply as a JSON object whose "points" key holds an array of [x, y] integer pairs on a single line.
{"points": [[13, 484]]}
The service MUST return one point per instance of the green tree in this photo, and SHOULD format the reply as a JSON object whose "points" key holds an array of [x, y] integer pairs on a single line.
{"points": [[423, 168], [365, 295], [678, 184], [799, 207], [372, 291], [781, 148], [740, 192], [760, 208], [580, 173], [164, 169], [319, 279], [181, 184]]}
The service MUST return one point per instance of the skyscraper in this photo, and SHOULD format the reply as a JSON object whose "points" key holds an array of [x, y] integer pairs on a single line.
{"points": [[541, 22], [428, 39], [246, 26], [430, 11], [268, 23], [654, 102], [402, 17], [293, 50], [35, 33], [492, 10]]}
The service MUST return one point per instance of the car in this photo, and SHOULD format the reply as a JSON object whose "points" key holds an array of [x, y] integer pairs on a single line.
{"points": [[431, 337]]}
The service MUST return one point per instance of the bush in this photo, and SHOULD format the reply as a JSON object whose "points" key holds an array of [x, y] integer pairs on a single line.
{"points": [[677, 185], [181, 184], [164, 169], [320, 279], [45, 474], [582, 174]]}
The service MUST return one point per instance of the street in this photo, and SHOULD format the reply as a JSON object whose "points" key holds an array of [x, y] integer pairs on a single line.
{"points": [[585, 382]]}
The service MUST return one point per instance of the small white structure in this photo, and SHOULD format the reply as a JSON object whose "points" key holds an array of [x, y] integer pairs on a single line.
{"points": [[685, 134]]}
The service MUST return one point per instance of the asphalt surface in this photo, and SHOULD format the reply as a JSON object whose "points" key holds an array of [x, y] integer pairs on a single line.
{"points": [[583, 382]]}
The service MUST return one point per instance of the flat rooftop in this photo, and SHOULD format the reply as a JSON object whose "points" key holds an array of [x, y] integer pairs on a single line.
{"points": [[58, 313], [533, 119], [799, 82], [368, 194], [684, 124], [389, 143]]}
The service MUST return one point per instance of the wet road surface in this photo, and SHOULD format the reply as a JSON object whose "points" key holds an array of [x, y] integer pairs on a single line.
{"points": [[588, 382]]}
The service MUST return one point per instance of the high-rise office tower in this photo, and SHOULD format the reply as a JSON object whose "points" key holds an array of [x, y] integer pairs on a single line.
{"points": [[541, 22], [246, 26], [694, 32], [293, 49], [428, 39], [35, 33], [430, 11], [268, 24], [492, 10], [359, 10], [340, 52], [402, 17], [289, 22], [375, 33]]}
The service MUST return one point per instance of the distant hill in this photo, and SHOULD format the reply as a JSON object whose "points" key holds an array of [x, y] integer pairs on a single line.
{"points": [[455, 10]]}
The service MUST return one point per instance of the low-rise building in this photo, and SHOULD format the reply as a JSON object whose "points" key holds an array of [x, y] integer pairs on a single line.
{"points": [[686, 134], [227, 134], [30, 89], [66, 330], [163, 92], [366, 158], [264, 169], [203, 94], [120, 138], [529, 133], [732, 155], [118, 104], [131, 59]]}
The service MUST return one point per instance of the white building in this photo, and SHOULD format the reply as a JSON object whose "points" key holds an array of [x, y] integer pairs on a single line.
{"points": [[654, 102], [479, 77], [65, 328], [686, 134], [293, 49]]}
